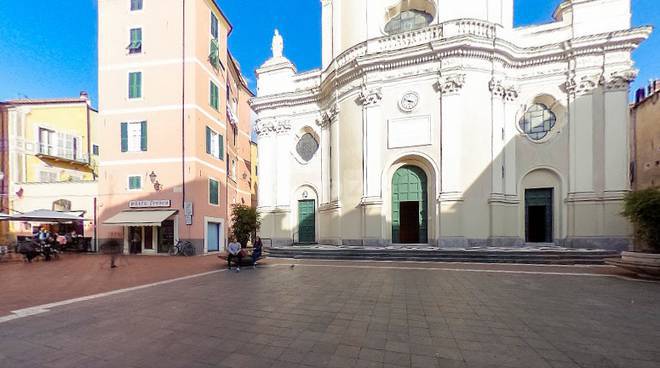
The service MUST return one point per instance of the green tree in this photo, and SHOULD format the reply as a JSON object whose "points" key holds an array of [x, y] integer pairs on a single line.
{"points": [[642, 208], [245, 222]]}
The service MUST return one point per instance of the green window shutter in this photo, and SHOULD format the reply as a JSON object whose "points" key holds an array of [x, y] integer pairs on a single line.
{"points": [[143, 136], [208, 140], [138, 84], [214, 95], [135, 85], [221, 148], [124, 137], [214, 26], [213, 192], [134, 182]]}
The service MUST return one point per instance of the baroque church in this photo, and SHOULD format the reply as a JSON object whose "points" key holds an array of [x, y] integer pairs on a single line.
{"points": [[438, 122]]}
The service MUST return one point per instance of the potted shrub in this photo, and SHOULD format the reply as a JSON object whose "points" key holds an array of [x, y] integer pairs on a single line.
{"points": [[642, 208]]}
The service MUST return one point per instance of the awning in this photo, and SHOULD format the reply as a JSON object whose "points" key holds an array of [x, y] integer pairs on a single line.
{"points": [[139, 218], [47, 216]]}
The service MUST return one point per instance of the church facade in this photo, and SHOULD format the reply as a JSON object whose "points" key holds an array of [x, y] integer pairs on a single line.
{"points": [[438, 122]]}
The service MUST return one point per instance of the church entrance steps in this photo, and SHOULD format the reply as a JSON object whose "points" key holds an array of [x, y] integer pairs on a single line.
{"points": [[528, 254]]}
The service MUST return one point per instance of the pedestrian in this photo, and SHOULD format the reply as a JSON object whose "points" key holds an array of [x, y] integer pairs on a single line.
{"points": [[234, 250], [113, 249], [136, 243], [256, 251]]}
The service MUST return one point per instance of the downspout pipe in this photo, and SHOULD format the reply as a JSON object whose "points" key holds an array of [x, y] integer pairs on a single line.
{"points": [[183, 109]]}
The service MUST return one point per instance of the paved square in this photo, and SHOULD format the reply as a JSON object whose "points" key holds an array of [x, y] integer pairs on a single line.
{"points": [[340, 314]]}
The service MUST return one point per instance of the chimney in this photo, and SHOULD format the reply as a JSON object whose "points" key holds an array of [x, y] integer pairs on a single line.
{"points": [[84, 95], [640, 95]]}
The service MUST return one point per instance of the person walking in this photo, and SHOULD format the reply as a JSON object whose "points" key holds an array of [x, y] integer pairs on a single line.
{"points": [[234, 250]]}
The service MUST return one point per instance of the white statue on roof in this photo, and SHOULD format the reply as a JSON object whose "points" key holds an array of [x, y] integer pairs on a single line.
{"points": [[278, 45]]}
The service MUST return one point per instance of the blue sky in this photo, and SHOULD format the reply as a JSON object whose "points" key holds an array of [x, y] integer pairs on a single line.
{"points": [[48, 48]]}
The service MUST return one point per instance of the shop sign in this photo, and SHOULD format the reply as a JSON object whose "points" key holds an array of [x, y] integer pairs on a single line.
{"points": [[154, 203]]}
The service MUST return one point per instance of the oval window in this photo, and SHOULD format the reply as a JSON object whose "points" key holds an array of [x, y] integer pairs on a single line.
{"points": [[538, 121], [307, 147]]}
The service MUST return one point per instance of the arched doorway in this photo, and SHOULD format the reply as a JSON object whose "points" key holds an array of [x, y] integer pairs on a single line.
{"points": [[409, 206]]}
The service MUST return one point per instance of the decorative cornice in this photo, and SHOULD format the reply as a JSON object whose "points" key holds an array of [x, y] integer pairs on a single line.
{"points": [[584, 85], [620, 79], [370, 96], [507, 93], [450, 84], [361, 59]]}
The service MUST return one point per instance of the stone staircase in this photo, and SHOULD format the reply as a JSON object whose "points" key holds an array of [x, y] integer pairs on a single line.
{"points": [[530, 254]]}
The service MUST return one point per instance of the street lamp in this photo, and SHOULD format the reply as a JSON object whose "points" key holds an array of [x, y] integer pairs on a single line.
{"points": [[157, 186]]}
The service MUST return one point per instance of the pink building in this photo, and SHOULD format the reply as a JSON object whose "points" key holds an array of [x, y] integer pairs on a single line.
{"points": [[174, 122]]}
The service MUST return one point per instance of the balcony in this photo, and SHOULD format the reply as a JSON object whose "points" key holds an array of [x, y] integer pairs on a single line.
{"points": [[60, 154]]}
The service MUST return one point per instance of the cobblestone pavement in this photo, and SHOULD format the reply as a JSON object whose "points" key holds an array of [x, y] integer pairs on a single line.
{"points": [[340, 314]]}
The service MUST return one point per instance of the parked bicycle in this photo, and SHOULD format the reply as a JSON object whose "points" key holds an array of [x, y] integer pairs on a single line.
{"points": [[182, 248]]}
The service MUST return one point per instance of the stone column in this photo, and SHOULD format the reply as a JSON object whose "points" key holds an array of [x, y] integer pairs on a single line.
{"points": [[450, 196], [373, 130]]}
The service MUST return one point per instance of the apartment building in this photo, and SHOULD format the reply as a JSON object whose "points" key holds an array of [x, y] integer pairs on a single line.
{"points": [[49, 160], [172, 108], [645, 142]]}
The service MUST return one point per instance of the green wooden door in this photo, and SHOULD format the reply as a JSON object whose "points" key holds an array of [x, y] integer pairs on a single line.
{"points": [[409, 184], [306, 221]]}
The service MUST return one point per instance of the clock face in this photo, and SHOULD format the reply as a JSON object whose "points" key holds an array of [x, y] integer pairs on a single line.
{"points": [[409, 101]]}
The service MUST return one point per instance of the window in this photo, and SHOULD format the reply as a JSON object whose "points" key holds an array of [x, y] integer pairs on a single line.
{"points": [[134, 182], [47, 177], [214, 192], [95, 149], [136, 5], [538, 121], [214, 26], [307, 147], [407, 21], [58, 144], [47, 139], [215, 145], [214, 96], [134, 137], [233, 169], [214, 54], [135, 47], [135, 85]]}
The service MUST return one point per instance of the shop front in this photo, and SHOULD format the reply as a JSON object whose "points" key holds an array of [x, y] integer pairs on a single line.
{"points": [[150, 227]]}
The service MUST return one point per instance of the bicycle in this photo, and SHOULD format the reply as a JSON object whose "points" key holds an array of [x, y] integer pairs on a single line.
{"points": [[182, 248]]}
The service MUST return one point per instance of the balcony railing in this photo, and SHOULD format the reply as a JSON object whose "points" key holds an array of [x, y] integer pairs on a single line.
{"points": [[59, 153]]}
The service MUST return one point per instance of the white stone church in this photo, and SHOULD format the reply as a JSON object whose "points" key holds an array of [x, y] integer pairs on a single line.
{"points": [[438, 122]]}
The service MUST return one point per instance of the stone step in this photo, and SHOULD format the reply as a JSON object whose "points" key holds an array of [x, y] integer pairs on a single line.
{"points": [[561, 256]]}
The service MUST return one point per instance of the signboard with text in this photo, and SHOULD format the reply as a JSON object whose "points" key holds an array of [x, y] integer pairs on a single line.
{"points": [[153, 203]]}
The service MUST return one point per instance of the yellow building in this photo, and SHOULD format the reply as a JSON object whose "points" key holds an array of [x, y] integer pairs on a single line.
{"points": [[50, 158]]}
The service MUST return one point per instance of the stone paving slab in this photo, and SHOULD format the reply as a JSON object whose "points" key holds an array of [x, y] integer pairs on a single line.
{"points": [[322, 315]]}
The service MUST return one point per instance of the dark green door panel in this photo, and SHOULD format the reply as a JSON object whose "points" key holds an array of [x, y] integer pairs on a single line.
{"points": [[306, 221]]}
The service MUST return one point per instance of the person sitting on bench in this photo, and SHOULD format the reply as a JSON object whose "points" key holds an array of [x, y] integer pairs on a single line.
{"points": [[234, 252]]}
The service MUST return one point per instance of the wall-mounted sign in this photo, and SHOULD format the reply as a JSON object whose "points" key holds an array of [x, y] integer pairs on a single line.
{"points": [[188, 208], [153, 203]]}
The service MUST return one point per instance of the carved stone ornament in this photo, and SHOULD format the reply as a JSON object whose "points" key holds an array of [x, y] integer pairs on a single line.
{"points": [[370, 96], [266, 128], [450, 84], [621, 79], [583, 85], [328, 116], [507, 93]]}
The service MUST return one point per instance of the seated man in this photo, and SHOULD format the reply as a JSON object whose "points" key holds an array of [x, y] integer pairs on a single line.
{"points": [[234, 250]]}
